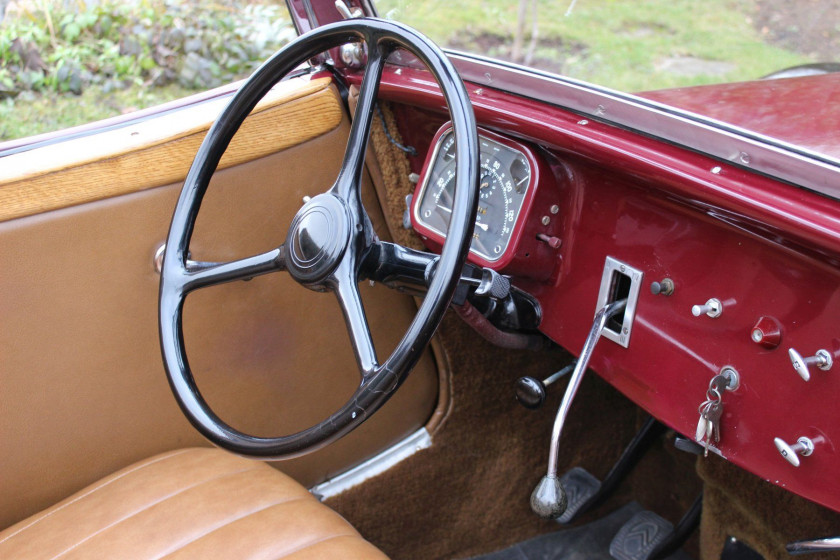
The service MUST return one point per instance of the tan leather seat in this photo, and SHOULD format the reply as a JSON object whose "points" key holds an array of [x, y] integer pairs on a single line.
{"points": [[192, 503]]}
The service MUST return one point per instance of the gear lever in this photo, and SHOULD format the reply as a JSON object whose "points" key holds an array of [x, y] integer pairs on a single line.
{"points": [[548, 500]]}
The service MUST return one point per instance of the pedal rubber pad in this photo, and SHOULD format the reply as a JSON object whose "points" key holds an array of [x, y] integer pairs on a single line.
{"points": [[580, 487], [639, 538]]}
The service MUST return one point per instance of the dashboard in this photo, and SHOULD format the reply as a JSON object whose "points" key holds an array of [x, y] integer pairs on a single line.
{"points": [[744, 294]]}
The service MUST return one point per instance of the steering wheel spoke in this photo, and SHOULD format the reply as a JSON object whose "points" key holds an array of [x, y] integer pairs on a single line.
{"points": [[350, 300], [350, 176], [201, 274]]}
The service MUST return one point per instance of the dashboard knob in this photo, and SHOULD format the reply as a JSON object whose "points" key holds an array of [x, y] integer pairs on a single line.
{"points": [[713, 308], [822, 359], [767, 332], [664, 288], [803, 446], [550, 240], [530, 392]]}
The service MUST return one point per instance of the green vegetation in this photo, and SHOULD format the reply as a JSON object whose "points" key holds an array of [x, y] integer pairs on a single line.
{"points": [[64, 63], [630, 45], [32, 114]]}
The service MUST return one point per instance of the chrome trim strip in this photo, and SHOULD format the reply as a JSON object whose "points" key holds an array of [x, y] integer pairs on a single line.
{"points": [[376, 465], [733, 144], [831, 544], [611, 267]]}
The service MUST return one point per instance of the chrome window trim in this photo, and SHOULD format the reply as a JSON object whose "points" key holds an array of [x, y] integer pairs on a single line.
{"points": [[738, 146]]}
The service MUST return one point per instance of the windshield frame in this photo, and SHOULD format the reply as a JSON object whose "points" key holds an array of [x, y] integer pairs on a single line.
{"points": [[728, 143], [725, 142]]}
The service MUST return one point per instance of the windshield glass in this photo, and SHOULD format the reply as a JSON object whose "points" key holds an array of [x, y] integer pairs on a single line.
{"points": [[668, 51], [65, 63]]}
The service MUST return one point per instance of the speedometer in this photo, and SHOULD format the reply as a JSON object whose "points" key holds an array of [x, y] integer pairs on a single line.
{"points": [[505, 178]]}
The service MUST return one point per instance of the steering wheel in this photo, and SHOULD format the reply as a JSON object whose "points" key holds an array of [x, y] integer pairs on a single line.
{"points": [[327, 242]]}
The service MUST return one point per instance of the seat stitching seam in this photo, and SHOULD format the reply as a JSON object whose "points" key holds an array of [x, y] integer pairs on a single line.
{"points": [[311, 544], [147, 506], [91, 491], [228, 522]]}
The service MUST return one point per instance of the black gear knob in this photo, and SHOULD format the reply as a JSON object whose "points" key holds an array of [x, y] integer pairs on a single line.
{"points": [[530, 392]]}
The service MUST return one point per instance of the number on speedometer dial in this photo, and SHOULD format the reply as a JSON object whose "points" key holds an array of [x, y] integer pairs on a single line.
{"points": [[504, 179]]}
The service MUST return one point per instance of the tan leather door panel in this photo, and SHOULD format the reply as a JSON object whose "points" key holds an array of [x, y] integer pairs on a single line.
{"points": [[82, 387]]}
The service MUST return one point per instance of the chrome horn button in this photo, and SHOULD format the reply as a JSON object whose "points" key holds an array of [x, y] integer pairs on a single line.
{"points": [[317, 239]]}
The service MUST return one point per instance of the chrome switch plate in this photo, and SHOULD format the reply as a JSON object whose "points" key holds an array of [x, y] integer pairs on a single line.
{"points": [[607, 294]]}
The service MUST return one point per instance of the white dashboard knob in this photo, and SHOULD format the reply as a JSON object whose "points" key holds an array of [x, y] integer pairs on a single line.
{"points": [[713, 308], [803, 446]]}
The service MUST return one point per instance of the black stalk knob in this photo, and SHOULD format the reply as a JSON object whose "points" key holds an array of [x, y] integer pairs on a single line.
{"points": [[530, 392]]}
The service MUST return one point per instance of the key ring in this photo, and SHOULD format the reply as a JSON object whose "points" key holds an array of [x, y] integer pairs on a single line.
{"points": [[713, 394]]}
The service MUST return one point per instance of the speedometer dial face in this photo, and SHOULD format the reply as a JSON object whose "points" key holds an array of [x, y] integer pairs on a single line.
{"points": [[504, 179]]}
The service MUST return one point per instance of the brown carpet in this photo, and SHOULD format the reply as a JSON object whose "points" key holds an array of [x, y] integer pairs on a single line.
{"points": [[468, 494], [764, 516]]}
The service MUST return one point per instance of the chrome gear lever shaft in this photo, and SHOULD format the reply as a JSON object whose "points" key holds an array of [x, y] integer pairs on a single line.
{"points": [[548, 500]]}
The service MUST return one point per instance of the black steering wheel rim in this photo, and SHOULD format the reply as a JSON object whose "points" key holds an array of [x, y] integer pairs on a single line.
{"points": [[179, 277]]}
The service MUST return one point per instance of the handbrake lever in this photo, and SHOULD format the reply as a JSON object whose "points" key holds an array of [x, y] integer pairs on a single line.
{"points": [[548, 500]]}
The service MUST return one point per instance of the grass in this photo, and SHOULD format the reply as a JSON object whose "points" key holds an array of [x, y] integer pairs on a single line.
{"points": [[617, 43], [37, 113]]}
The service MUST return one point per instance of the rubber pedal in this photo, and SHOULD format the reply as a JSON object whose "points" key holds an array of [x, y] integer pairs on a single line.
{"points": [[640, 537], [580, 487]]}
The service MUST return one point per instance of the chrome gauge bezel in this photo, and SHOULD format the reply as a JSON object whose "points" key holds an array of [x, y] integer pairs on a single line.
{"points": [[510, 241]]}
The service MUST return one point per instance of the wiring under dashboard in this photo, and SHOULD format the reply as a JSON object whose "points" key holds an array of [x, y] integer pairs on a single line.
{"points": [[492, 334]]}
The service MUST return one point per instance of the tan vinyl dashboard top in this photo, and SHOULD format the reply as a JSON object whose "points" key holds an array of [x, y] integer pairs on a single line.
{"points": [[159, 151]]}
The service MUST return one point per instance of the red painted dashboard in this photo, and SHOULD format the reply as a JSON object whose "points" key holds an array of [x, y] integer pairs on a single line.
{"points": [[761, 247]]}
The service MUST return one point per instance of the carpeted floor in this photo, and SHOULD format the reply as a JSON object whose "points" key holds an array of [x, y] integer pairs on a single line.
{"points": [[469, 493], [762, 515]]}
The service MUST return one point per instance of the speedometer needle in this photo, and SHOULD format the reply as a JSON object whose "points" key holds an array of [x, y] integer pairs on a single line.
{"points": [[484, 227]]}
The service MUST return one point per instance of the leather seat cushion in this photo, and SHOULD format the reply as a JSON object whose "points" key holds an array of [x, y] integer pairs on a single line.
{"points": [[191, 503]]}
